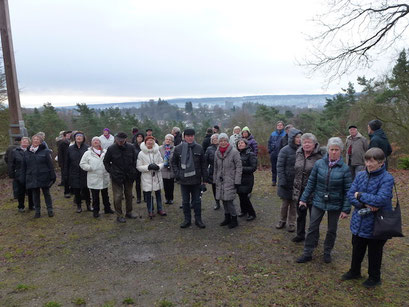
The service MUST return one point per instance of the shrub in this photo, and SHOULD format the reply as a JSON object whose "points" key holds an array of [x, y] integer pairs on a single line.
{"points": [[52, 304], [403, 162]]}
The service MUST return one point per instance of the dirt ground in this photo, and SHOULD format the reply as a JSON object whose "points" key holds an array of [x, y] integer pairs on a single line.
{"points": [[74, 259]]}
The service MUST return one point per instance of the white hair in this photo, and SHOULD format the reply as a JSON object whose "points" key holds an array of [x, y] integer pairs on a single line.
{"points": [[335, 141], [309, 136]]}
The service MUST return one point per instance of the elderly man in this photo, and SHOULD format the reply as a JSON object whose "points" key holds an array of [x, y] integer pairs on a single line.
{"points": [[356, 147], [120, 163]]}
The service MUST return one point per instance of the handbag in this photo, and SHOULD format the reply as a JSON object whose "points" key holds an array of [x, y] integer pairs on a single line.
{"points": [[388, 224]]}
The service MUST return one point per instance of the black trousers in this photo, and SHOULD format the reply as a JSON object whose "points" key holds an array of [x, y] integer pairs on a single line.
{"points": [[95, 199], [375, 251], [138, 186], [191, 194], [81, 193], [214, 193], [302, 220], [273, 160], [20, 193], [66, 182], [169, 186], [246, 205], [47, 197]]}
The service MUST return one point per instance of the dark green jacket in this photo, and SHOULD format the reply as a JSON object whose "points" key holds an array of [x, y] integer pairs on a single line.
{"points": [[379, 139], [335, 182]]}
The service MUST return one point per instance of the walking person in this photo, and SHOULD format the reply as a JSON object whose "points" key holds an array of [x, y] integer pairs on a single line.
{"points": [[329, 181], [356, 146], [251, 141], [97, 177], [77, 177], [166, 151], [39, 174], [286, 174], [249, 166], [139, 139], [379, 139], [274, 146], [107, 139], [305, 158], [189, 167], [62, 156], [120, 163], [209, 158], [227, 176]]}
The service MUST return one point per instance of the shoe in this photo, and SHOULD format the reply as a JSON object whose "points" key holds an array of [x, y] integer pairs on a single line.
{"points": [[349, 275], [327, 258], [185, 224], [21, 210], [233, 222], [50, 213], [120, 219], [37, 215], [371, 283], [291, 228], [250, 218], [274, 183], [242, 214], [109, 211], [199, 223], [130, 216], [181, 206], [227, 220], [151, 215], [170, 202], [297, 239], [162, 213], [67, 195], [95, 214], [79, 209], [89, 208], [216, 206], [138, 201], [304, 259], [167, 202], [280, 225]]}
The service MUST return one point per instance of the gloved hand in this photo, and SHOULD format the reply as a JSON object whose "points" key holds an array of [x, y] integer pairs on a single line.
{"points": [[153, 167]]}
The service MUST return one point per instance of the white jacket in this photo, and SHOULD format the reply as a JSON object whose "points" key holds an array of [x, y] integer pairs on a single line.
{"points": [[151, 180], [105, 143], [97, 176]]}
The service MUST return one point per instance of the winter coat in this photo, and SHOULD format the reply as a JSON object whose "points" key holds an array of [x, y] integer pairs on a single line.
{"points": [[303, 167], [62, 152], [177, 138], [274, 142], [151, 180], [285, 167], [9, 153], [284, 141], [206, 142], [209, 158], [234, 138], [105, 143], [167, 172], [16, 165], [38, 168], [200, 166], [379, 139], [77, 177], [252, 144], [249, 166], [120, 163], [376, 190], [97, 176], [227, 173], [334, 182], [359, 147]]}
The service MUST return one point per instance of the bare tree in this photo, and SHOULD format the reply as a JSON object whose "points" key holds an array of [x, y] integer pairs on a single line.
{"points": [[354, 33]]}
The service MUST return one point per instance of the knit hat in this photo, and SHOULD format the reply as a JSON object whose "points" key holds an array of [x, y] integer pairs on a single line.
{"points": [[223, 136], [107, 129], [375, 124], [121, 136], [246, 129], [95, 138], [189, 131], [237, 127]]}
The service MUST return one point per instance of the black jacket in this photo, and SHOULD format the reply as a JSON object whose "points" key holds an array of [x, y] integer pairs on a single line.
{"points": [[16, 165], [209, 158], [62, 152], [77, 177], [38, 168], [200, 166], [120, 162], [249, 163], [379, 139], [206, 142], [177, 139]]}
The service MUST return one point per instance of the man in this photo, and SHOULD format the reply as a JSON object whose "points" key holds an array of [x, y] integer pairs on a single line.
{"points": [[378, 138], [189, 167], [177, 136], [284, 140], [206, 140], [135, 131], [356, 147], [62, 156], [120, 163], [274, 147], [9, 152], [107, 139]]}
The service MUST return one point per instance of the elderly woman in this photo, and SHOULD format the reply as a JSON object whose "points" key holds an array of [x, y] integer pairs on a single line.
{"points": [[139, 139], [16, 172], [227, 177], [246, 134], [97, 177], [166, 151], [76, 175], [39, 173], [372, 189], [305, 158], [209, 158], [330, 180], [150, 163], [286, 173], [106, 138], [235, 136]]}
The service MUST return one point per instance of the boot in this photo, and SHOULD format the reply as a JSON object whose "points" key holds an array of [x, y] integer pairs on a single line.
{"points": [[50, 213], [199, 223], [185, 224], [79, 209], [233, 222], [227, 220], [108, 210], [89, 208]]}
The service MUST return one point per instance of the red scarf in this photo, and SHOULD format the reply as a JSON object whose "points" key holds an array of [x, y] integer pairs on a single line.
{"points": [[223, 150]]}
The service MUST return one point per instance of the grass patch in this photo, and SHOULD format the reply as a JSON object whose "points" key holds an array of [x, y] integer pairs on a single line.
{"points": [[79, 301]]}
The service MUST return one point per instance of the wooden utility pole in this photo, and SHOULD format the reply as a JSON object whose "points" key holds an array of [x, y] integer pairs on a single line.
{"points": [[16, 119]]}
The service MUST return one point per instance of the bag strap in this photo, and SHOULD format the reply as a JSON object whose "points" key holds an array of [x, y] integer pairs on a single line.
{"points": [[396, 192]]}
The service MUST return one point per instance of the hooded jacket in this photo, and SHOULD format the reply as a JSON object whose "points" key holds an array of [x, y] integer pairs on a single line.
{"points": [[252, 143], [378, 139], [151, 180], [359, 147], [97, 176]]}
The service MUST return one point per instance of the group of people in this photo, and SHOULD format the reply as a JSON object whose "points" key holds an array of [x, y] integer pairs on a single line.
{"points": [[309, 179]]}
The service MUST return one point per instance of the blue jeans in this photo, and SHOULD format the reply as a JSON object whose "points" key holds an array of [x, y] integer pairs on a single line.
{"points": [[191, 194], [149, 201]]}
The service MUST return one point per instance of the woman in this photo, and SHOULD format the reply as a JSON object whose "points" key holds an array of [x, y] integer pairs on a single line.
{"points": [[16, 171], [166, 151], [286, 173], [139, 139], [97, 176], [305, 158], [330, 180], [39, 173], [227, 177], [209, 158], [149, 164], [106, 138], [235, 136], [76, 175], [252, 143], [249, 166], [371, 189]]}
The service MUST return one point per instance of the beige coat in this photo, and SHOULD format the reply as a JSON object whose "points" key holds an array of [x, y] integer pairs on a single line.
{"points": [[359, 147]]}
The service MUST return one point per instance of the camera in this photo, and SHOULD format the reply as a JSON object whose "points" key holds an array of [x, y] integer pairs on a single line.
{"points": [[364, 211], [326, 197]]}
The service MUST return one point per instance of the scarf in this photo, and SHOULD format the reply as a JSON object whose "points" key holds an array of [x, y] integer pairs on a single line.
{"points": [[331, 164], [223, 150], [187, 163], [166, 158], [107, 136], [34, 149], [97, 151]]}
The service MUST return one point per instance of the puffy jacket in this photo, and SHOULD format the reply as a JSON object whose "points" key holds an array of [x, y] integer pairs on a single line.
{"points": [[252, 143], [334, 181], [120, 162], [227, 173], [376, 189], [379, 139], [167, 172], [285, 166], [16, 165], [77, 177], [359, 147], [249, 166], [106, 142], [274, 142], [38, 168], [209, 158], [151, 180], [97, 176]]}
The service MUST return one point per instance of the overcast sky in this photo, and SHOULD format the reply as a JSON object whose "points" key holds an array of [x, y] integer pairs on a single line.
{"points": [[94, 51]]}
